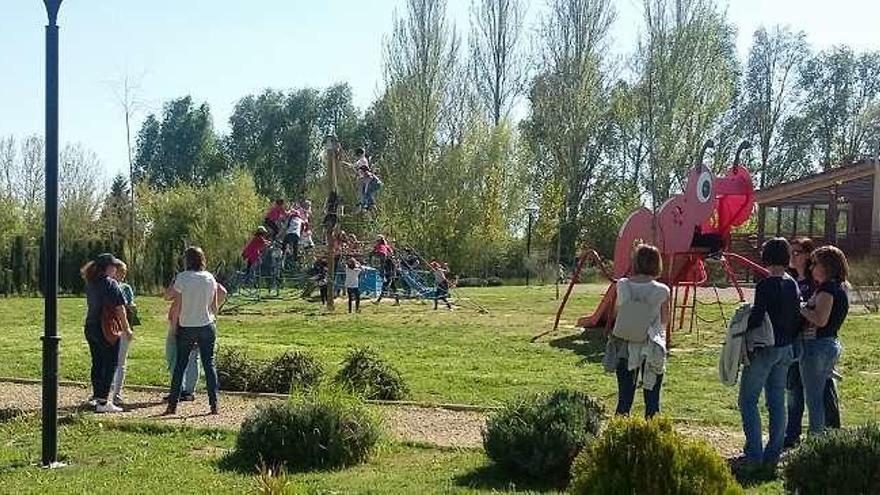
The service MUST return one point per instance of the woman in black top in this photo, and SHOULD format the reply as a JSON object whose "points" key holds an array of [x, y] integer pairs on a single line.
{"points": [[825, 313], [801, 269], [102, 291]]}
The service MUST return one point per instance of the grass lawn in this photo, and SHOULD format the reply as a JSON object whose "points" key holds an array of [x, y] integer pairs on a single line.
{"points": [[460, 356]]}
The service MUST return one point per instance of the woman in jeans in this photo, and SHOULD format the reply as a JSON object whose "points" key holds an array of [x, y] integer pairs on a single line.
{"points": [[102, 291], [200, 296], [825, 313], [800, 268], [776, 296]]}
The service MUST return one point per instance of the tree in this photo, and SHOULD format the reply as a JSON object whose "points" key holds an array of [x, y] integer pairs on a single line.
{"points": [[8, 166], [568, 127], [839, 86], [771, 98], [498, 65], [182, 148], [31, 179], [79, 195], [687, 69], [116, 210]]}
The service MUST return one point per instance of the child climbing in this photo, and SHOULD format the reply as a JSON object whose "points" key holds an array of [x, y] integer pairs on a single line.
{"points": [[331, 212], [273, 217], [382, 249], [390, 274], [442, 282], [352, 283], [360, 167], [254, 249], [290, 246], [372, 184]]}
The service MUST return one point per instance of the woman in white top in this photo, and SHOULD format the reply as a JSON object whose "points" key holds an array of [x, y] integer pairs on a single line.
{"points": [[630, 352], [200, 296]]}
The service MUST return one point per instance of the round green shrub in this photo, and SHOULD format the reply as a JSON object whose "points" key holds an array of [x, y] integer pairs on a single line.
{"points": [[637, 456], [318, 430], [539, 436], [840, 461], [291, 369], [235, 370], [367, 375]]}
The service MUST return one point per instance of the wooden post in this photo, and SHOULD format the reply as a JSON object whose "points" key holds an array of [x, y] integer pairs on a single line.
{"points": [[331, 161], [831, 219]]}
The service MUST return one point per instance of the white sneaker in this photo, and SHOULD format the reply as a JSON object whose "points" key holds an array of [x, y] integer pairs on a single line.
{"points": [[107, 407], [92, 402]]}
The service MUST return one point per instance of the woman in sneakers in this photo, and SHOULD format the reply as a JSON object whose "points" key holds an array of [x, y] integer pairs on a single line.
{"points": [[200, 296], [103, 295]]}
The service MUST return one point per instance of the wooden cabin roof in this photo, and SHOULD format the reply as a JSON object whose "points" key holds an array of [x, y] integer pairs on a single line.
{"points": [[854, 181]]}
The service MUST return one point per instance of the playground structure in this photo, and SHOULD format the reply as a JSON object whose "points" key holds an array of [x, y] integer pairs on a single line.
{"points": [[276, 270], [690, 229]]}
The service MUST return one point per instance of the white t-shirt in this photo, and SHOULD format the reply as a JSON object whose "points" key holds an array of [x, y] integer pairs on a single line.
{"points": [[294, 225], [352, 277], [197, 291]]}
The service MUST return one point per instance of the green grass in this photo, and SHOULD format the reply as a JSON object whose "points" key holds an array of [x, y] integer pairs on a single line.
{"points": [[133, 458], [461, 356]]}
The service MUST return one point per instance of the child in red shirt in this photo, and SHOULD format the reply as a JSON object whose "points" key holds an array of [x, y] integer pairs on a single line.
{"points": [[274, 215], [252, 251]]}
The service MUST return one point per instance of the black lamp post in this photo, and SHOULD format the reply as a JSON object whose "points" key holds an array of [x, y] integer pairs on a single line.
{"points": [[50, 246], [531, 209]]}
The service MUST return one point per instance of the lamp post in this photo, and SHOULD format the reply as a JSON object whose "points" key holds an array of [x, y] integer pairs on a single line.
{"points": [[50, 246], [531, 209]]}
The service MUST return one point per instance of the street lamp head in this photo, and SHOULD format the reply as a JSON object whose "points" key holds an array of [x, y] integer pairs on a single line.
{"points": [[52, 7]]}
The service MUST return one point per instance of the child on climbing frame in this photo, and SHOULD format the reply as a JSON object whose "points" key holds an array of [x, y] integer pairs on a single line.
{"points": [[442, 282], [306, 242], [273, 217], [382, 249], [360, 167], [371, 187], [352, 283], [254, 249], [331, 212], [390, 274]]}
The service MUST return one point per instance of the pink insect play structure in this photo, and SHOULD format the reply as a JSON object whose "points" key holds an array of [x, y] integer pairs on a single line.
{"points": [[688, 228]]}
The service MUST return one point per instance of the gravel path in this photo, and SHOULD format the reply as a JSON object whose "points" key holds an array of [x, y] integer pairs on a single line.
{"points": [[431, 425]]}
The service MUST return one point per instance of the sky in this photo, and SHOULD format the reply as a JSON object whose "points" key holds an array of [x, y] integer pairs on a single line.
{"points": [[221, 50]]}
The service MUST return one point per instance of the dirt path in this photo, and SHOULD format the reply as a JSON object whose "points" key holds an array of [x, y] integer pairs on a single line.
{"points": [[432, 425]]}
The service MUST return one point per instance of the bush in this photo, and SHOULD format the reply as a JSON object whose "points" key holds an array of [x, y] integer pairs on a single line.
{"points": [[318, 430], [471, 282], [235, 370], [841, 461], [291, 369], [494, 282], [366, 374], [637, 456], [540, 435]]}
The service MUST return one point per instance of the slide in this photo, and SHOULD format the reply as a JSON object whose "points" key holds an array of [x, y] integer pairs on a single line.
{"points": [[413, 282], [604, 313]]}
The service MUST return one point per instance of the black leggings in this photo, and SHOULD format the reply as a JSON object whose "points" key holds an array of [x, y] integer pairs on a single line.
{"points": [[354, 295], [323, 290], [104, 360]]}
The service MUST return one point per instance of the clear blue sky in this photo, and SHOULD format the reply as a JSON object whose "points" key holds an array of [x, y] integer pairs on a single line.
{"points": [[219, 51]]}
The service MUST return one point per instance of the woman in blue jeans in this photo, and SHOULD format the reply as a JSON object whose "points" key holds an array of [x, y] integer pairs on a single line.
{"points": [[825, 313], [200, 296], [778, 297]]}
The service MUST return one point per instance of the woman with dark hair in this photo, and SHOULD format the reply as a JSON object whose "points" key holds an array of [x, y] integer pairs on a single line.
{"points": [[825, 313], [800, 268], [200, 297], [106, 308], [776, 297]]}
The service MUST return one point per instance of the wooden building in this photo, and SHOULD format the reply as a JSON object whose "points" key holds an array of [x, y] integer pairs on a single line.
{"points": [[840, 206]]}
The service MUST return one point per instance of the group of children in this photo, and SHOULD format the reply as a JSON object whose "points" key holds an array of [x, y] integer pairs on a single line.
{"points": [[288, 229]]}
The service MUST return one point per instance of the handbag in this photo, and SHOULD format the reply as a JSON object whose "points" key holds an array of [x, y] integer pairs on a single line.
{"points": [[111, 326], [633, 319]]}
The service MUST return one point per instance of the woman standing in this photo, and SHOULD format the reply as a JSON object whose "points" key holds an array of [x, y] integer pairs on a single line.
{"points": [[825, 313], [200, 296], [105, 301], [776, 297], [801, 269]]}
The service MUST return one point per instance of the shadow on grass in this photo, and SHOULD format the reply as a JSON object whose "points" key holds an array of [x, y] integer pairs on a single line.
{"points": [[492, 477], [590, 344], [751, 475]]}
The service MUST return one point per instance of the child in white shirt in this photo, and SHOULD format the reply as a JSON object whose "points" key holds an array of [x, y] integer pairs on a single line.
{"points": [[352, 283]]}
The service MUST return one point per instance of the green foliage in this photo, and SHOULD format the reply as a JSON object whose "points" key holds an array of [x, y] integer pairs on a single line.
{"points": [[540, 435], [367, 375], [296, 369], [182, 148], [637, 456], [235, 370], [319, 430], [841, 461]]}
